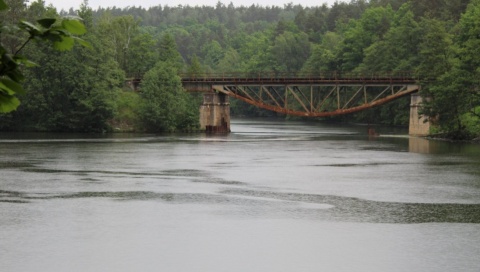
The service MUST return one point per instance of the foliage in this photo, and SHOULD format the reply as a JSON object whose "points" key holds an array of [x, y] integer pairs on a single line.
{"points": [[289, 52], [472, 121], [81, 89], [166, 107], [455, 93], [59, 31], [168, 52], [127, 114], [323, 58], [362, 34], [195, 67]]}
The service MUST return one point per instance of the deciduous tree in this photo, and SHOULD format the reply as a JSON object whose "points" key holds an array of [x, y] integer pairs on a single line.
{"points": [[60, 31]]}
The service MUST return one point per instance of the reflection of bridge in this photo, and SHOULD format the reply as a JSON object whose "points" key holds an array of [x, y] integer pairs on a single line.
{"points": [[323, 95]]}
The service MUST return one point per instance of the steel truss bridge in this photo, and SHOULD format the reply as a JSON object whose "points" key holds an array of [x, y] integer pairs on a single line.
{"points": [[326, 94]]}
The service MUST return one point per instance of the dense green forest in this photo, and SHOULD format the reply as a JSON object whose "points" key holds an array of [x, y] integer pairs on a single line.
{"points": [[84, 89]]}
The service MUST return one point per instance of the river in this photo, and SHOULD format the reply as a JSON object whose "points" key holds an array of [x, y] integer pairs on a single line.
{"points": [[270, 196]]}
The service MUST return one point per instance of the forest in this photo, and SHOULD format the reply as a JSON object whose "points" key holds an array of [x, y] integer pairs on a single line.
{"points": [[84, 90]]}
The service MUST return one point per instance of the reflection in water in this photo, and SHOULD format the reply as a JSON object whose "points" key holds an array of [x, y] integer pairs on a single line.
{"points": [[422, 146], [429, 146]]}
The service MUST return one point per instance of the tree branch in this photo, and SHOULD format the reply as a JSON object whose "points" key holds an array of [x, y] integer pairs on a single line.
{"points": [[23, 45]]}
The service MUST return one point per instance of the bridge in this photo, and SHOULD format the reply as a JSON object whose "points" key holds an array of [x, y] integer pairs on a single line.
{"points": [[322, 95]]}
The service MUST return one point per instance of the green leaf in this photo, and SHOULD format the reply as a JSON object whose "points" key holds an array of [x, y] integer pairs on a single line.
{"points": [[65, 44], [23, 60], [8, 103], [15, 75], [12, 85], [74, 26], [31, 28], [6, 90], [8, 62], [83, 42], [53, 35], [47, 22], [3, 5]]}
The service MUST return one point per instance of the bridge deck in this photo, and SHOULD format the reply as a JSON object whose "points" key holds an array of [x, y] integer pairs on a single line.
{"points": [[326, 94], [301, 79]]}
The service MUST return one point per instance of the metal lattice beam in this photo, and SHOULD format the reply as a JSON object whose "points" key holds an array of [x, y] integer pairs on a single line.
{"points": [[314, 96]]}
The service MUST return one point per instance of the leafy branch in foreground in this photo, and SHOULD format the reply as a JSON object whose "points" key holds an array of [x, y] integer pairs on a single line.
{"points": [[59, 31]]}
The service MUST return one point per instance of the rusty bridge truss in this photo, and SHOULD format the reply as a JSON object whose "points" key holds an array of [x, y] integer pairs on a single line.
{"points": [[328, 94]]}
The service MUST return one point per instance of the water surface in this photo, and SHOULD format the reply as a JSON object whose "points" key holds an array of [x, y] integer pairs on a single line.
{"points": [[270, 196]]}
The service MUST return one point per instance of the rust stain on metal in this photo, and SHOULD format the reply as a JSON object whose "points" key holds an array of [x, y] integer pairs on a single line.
{"points": [[285, 94]]}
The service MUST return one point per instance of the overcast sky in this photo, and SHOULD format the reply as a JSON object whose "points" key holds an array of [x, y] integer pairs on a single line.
{"points": [[66, 4]]}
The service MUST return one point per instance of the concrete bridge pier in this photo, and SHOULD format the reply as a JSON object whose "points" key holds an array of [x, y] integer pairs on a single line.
{"points": [[215, 113], [419, 124]]}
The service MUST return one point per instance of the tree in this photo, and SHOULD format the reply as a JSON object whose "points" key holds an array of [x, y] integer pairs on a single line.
{"points": [[323, 55], [256, 52], [142, 55], [397, 49], [457, 96], [231, 62], [73, 90], [60, 31], [452, 64], [119, 32], [167, 50], [166, 106], [290, 51], [213, 53], [436, 52], [195, 67], [11, 39], [361, 34]]}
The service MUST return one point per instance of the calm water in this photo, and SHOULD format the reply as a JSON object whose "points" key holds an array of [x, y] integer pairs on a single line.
{"points": [[271, 196]]}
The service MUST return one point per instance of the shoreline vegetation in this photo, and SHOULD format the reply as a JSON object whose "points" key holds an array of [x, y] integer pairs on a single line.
{"points": [[83, 89]]}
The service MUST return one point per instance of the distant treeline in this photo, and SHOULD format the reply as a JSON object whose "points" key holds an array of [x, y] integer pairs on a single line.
{"points": [[83, 90]]}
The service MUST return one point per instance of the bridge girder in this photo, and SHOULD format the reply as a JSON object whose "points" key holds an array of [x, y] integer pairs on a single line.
{"points": [[327, 94], [316, 100]]}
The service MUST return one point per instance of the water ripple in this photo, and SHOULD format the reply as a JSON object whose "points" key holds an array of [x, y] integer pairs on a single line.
{"points": [[239, 202], [361, 210]]}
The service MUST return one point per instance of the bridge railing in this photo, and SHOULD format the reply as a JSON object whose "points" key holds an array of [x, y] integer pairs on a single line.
{"points": [[331, 75]]}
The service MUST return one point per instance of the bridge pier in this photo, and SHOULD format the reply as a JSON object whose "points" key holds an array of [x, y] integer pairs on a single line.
{"points": [[215, 113], [419, 124]]}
